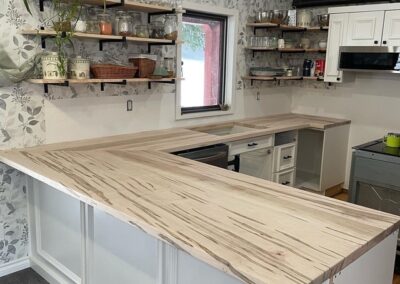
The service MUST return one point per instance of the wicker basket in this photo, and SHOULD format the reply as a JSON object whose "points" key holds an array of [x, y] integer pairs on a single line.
{"points": [[145, 64], [109, 71]]}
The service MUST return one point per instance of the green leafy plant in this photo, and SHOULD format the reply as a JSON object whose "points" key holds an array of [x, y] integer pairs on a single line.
{"points": [[193, 35]]}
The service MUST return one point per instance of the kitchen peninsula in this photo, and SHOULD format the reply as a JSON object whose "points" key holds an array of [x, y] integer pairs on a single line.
{"points": [[125, 208]]}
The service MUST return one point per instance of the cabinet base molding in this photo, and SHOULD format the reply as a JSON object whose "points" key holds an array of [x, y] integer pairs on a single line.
{"points": [[14, 266]]}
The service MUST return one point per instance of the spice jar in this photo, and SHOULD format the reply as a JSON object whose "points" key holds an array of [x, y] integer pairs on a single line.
{"points": [[157, 30], [169, 65], [92, 26], [118, 15], [136, 19], [124, 26], [171, 27], [142, 31], [105, 24]]}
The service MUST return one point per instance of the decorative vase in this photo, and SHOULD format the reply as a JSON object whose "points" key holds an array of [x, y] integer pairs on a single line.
{"points": [[50, 67], [79, 68]]}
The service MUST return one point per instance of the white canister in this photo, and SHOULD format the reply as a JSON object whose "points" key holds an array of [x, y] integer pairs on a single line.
{"points": [[304, 18], [281, 43], [50, 68], [79, 68], [80, 26]]}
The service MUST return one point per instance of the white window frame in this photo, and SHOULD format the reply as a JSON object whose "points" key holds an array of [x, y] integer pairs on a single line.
{"points": [[231, 61]]}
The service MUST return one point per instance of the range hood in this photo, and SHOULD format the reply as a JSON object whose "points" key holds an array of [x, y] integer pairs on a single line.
{"points": [[382, 59]]}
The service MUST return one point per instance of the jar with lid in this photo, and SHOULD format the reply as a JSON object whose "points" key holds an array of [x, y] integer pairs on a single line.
{"points": [[79, 68], [304, 18], [80, 24], [169, 65], [171, 27], [136, 19], [157, 30], [142, 31], [105, 24], [125, 25], [118, 15], [92, 25]]}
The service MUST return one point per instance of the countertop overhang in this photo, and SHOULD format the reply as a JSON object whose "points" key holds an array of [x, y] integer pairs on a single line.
{"points": [[256, 230]]}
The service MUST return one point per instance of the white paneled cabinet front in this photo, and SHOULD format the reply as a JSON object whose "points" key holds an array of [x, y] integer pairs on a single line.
{"points": [[391, 30], [337, 33], [365, 29]]}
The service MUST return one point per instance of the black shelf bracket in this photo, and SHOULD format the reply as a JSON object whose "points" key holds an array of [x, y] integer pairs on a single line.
{"points": [[46, 86], [158, 44], [102, 84], [102, 41], [172, 82]]}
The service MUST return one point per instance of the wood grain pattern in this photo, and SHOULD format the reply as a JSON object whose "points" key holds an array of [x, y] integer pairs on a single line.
{"points": [[258, 231]]}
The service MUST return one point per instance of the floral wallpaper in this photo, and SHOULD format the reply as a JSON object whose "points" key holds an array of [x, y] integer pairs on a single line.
{"points": [[22, 113]]}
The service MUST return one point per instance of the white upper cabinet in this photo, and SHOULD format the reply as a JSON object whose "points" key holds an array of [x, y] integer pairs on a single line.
{"points": [[365, 29], [337, 33], [391, 30]]}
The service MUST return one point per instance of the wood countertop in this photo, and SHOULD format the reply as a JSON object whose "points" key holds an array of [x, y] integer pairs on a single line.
{"points": [[256, 230]]}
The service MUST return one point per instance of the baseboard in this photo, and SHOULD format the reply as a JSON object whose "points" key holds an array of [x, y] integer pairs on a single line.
{"points": [[14, 266]]}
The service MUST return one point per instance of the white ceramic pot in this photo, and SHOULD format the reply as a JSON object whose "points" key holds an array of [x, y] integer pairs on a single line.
{"points": [[79, 68], [322, 44], [50, 67], [80, 26]]}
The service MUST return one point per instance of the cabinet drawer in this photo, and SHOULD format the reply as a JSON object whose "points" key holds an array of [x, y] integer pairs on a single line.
{"points": [[252, 144], [284, 157], [286, 178]]}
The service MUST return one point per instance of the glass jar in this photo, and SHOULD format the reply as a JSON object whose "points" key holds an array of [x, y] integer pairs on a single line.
{"points": [[125, 26], [92, 26], [80, 24], [105, 24], [142, 31], [157, 30], [304, 18], [169, 65], [136, 19], [171, 27], [118, 15]]}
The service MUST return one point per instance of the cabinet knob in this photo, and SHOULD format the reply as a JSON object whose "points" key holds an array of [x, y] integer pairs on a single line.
{"points": [[286, 183], [376, 42], [287, 157], [338, 79], [252, 144], [384, 42]]}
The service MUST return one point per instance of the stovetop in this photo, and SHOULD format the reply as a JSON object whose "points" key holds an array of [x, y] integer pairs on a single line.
{"points": [[379, 147]]}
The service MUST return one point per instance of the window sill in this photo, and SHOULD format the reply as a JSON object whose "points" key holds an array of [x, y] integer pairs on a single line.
{"points": [[180, 116]]}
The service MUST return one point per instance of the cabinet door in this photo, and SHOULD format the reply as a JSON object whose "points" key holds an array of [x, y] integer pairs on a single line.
{"points": [[391, 30], [365, 29], [337, 31], [257, 163]]}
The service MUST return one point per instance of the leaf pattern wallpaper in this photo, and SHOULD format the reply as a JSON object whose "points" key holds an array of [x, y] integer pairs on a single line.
{"points": [[22, 111]]}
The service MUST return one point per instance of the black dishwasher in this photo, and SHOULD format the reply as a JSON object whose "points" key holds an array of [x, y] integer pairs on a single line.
{"points": [[215, 155]]}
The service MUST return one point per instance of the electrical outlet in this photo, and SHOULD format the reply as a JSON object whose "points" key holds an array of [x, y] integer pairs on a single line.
{"points": [[129, 105]]}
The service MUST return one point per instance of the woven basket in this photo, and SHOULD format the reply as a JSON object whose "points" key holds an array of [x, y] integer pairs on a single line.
{"points": [[109, 71], [146, 66]]}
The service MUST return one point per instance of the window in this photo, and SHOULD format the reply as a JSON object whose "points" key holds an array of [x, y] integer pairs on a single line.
{"points": [[203, 62]]}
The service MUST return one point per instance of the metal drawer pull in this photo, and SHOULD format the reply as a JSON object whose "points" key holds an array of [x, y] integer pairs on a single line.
{"points": [[252, 144], [286, 183], [287, 157]]}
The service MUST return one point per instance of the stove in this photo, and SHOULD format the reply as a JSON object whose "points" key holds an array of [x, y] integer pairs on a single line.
{"points": [[375, 179]]}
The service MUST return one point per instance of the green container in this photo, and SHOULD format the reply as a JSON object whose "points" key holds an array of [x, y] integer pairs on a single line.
{"points": [[392, 140]]}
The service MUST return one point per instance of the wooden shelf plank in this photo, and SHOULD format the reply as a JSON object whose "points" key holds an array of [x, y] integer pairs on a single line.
{"points": [[261, 48], [286, 50], [282, 78], [286, 27], [262, 25], [132, 5], [97, 36], [291, 50], [92, 81]]}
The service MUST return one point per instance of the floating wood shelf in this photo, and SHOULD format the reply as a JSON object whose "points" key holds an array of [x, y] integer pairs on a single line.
{"points": [[102, 82], [286, 27], [282, 78]]}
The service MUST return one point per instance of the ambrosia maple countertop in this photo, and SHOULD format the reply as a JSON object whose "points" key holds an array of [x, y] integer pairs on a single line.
{"points": [[256, 230]]}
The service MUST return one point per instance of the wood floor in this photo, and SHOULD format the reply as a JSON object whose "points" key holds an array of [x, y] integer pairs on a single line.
{"points": [[344, 196], [26, 276]]}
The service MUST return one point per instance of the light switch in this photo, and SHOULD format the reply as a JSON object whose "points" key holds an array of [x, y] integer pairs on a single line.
{"points": [[129, 105]]}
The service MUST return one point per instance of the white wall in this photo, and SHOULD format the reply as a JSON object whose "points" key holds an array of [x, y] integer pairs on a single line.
{"points": [[91, 117], [372, 102]]}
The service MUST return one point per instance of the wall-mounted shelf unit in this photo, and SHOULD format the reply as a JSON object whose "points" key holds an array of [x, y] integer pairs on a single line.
{"points": [[284, 28], [126, 4], [286, 50], [278, 79], [102, 82], [101, 38]]}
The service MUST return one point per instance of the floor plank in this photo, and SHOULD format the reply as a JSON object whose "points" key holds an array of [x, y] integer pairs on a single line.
{"points": [[26, 276]]}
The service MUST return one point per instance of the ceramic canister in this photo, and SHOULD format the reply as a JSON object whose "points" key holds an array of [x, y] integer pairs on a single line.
{"points": [[79, 68], [50, 67]]}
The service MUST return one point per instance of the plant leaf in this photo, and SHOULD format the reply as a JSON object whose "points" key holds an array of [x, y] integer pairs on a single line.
{"points": [[24, 55], [29, 130], [11, 249], [33, 122], [10, 171], [1, 245], [29, 47], [7, 136], [29, 110], [20, 117], [37, 110], [12, 210], [7, 179], [3, 104], [4, 96], [15, 40]]}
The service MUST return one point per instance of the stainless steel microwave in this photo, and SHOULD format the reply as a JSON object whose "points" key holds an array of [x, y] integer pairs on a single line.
{"points": [[370, 59]]}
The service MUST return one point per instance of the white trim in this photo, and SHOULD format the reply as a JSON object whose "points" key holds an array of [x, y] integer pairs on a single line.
{"points": [[231, 61], [364, 8], [14, 266]]}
